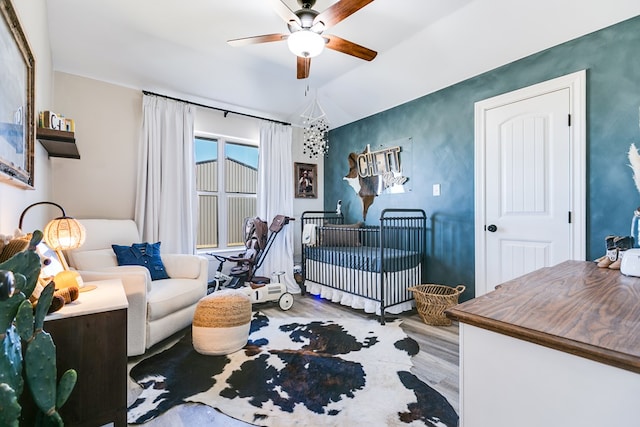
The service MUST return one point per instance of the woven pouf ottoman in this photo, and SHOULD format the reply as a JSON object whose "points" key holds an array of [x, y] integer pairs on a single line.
{"points": [[221, 322]]}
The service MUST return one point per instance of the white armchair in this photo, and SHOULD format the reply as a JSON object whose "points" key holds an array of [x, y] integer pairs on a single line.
{"points": [[158, 308]]}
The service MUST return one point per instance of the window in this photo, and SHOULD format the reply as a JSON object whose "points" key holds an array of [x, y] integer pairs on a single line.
{"points": [[226, 191]]}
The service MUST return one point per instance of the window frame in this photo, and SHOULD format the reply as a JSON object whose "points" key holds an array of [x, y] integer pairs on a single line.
{"points": [[221, 193]]}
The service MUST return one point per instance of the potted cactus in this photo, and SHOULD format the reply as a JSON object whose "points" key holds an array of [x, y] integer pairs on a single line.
{"points": [[28, 358]]}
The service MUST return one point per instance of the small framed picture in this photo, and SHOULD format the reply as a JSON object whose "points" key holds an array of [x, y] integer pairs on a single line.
{"points": [[306, 180]]}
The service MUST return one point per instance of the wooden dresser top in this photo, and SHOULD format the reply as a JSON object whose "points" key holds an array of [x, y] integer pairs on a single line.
{"points": [[574, 307]]}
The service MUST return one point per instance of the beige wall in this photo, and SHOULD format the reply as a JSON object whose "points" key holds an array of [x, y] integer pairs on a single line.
{"points": [[301, 205], [213, 122], [107, 123], [13, 199], [108, 119]]}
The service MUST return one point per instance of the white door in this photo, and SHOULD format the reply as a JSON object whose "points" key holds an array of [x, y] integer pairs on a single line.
{"points": [[528, 204]]}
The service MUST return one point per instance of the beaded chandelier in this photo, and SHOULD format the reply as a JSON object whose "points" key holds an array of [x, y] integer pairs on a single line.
{"points": [[316, 126]]}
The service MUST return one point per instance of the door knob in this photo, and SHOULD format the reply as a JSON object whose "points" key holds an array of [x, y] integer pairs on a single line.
{"points": [[492, 228]]}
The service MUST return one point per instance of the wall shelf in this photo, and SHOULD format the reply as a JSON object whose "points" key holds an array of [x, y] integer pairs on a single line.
{"points": [[58, 143]]}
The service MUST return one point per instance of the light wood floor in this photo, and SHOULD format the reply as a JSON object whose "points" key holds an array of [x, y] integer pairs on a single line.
{"points": [[436, 364]]}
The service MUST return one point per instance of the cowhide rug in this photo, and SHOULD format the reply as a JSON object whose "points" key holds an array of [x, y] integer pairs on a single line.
{"points": [[301, 372]]}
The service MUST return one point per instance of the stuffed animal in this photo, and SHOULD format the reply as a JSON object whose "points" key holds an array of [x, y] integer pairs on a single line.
{"points": [[12, 244]]}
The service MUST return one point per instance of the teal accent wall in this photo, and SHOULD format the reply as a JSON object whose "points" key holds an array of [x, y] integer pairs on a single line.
{"points": [[441, 126]]}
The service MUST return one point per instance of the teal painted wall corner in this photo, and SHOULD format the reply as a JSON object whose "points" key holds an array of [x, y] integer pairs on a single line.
{"points": [[441, 129]]}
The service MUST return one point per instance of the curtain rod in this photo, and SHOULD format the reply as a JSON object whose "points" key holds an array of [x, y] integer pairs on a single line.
{"points": [[224, 110]]}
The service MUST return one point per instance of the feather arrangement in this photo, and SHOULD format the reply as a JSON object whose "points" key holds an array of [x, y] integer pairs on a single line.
{"points": [[634, 163]]}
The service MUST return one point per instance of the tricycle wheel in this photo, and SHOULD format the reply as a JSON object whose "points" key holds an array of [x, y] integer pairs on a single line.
{"points": [[286, 301]]}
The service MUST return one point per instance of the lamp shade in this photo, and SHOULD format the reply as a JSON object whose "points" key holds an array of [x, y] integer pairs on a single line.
{"points": [[64, 233], [305, 43]]}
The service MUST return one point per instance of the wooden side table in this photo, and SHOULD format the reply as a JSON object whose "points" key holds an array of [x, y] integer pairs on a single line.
{"points": [[90, 335]]}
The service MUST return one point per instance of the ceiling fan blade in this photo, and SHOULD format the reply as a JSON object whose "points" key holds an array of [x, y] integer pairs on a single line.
{"points": [[339, 11], [303, 67], [285, 13], [266, 38], [350, 48]]}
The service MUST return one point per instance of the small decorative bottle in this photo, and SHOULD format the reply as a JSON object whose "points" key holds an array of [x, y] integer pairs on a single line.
{"points": [[635, 227]]}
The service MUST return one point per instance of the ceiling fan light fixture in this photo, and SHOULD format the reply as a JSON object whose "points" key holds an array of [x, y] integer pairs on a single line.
{"points": [[305, 43]]}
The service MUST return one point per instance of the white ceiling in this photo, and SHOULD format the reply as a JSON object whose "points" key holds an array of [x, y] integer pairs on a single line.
{"points": [[178, 48]]}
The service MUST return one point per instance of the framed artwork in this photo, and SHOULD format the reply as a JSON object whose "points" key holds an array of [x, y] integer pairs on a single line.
{"points": [[306, 177], [17, 125]]}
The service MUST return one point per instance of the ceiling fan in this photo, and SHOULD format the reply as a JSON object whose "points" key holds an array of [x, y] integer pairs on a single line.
{"points": [[306, 27]]}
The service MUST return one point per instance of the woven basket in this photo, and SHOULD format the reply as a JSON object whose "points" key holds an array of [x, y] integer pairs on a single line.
{"points": [[221, 322], [223, 309], [433, 300]]}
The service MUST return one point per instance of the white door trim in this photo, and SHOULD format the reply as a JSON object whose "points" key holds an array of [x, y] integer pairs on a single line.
{"points": [[576, 82]]}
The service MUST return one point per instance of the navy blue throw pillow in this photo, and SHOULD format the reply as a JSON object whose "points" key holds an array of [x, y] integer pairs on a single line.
{"points": [[144, 254]]}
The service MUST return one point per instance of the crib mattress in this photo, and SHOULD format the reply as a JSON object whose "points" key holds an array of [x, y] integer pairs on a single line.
{"points": [[365, 258]]}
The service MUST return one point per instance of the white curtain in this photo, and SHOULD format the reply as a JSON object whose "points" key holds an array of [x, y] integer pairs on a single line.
{"points": [[166, 202], [275, 197]]}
